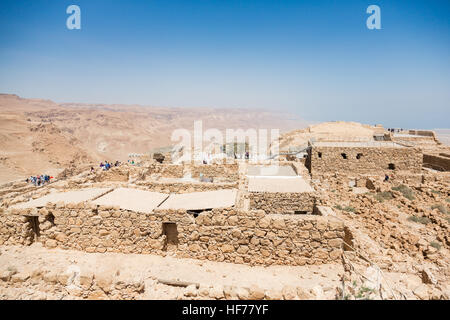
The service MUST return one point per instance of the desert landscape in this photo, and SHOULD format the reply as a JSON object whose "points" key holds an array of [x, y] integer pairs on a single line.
{"points": [[40, 136], [341, 210]]}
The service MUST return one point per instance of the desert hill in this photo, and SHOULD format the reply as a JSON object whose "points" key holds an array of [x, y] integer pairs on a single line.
{"points": [[40, 136]]}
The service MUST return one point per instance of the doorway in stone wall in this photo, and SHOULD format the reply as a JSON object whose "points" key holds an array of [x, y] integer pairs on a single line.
{"points": [[171, 232], [34, 231]]}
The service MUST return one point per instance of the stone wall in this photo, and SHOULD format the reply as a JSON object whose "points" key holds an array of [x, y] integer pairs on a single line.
{"points": [[329, 160], [282, 203], [115, 174], [225, 170], [165, 170], [436, 162], [180, 187], [249, 237]]}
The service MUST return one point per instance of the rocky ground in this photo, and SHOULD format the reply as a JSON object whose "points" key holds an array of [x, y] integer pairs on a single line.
{"points": [[37, 273], [396, 228]]}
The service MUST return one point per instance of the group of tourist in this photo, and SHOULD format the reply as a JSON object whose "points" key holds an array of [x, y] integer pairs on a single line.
{"points": [[395, 130], [39, 180], [107, 165]]}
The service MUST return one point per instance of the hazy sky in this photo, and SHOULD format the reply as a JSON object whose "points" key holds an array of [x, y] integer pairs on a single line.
{"points": [[316, 59]]}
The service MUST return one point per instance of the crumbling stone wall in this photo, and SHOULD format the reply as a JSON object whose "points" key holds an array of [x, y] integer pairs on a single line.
{"points": [[15, 229], [329, 160], [231, 235], [282, 203]]}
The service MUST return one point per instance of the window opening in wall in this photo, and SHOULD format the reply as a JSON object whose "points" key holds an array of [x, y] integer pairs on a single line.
{"points": [[171, 233], [391, 166], [196, 212], [359, 156], [344, 155], [319, 155]]}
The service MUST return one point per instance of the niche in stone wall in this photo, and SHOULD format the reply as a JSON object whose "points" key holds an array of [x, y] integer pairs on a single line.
{"points": [[348, 239], [51, 218], [159, 157], [171, 232], [344, 155], [391, 166]]}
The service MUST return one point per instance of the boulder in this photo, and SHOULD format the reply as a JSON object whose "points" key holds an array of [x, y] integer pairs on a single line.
{"points": [[256, 293]]}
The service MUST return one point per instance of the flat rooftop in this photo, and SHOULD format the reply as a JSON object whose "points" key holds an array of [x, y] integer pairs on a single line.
{"points": [[358, 144], [408, 135], [278, 184], [271, 171], [201, 200], [75, 196], [132, 199]]}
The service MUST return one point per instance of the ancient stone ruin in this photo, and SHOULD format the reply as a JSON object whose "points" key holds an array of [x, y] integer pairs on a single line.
{"points": [[310, 208]]}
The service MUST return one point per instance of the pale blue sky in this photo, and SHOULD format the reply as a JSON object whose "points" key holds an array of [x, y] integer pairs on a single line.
{"points": [[316, 59]]}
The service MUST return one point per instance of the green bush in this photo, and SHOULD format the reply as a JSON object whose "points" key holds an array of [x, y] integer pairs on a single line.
{"points": [[349, 209], [407, 192], [436, 245], [422, 220], [440, 207], [385, 195]]}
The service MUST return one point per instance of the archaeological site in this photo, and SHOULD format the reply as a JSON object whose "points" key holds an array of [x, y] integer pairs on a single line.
{"points": [[360, 215]]}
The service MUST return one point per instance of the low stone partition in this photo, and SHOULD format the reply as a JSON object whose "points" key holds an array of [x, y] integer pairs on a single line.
{"points": [[183, 187], [230, 235], [282, 202]]}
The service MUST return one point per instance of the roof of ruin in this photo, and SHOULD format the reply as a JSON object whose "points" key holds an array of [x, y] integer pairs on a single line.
{"points": [[278, 184], [132, 199], [201, 200], [74, 196]]}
